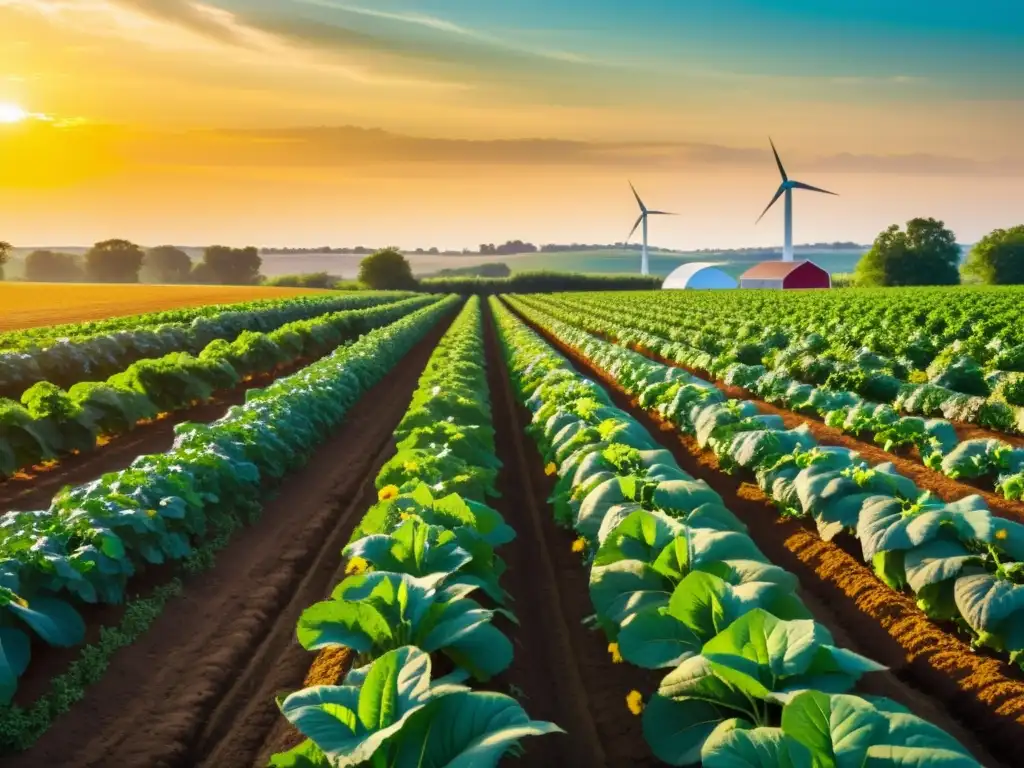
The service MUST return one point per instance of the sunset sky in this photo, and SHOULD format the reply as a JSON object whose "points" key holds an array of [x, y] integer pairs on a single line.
{"points": [[452, 122]]}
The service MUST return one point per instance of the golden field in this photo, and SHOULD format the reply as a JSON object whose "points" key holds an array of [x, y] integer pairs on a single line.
{"points": [[25, 305]]}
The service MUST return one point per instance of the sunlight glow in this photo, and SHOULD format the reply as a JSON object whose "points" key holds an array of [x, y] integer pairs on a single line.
{"points": [[12, 113]]}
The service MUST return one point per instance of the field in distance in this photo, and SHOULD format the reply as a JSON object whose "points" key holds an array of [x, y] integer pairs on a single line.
{"points": [[26, 305], [594, 261]]}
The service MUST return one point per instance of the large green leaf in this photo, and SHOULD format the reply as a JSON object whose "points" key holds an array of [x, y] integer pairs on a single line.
{"points": [[467, 729], [676, 729], [680, 497], [885, 523], [987, 603], [888, 756], [415, 548], [838, 729], [640, 536], [55, 621], [772, 658], [484, 652], [350, 722], [15, 651], [740, 747], [652, 639], [626, 587], [935, 562], [359, 626]]}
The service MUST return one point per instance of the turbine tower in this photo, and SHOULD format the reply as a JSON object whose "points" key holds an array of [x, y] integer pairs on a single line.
{"points": [[786, 187], [642, 219]]}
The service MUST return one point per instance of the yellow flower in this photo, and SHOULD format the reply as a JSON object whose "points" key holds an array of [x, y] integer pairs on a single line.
{"points": [[404, 516], [613, 649], [579, 545], [1001, 534], [387, 492], [550, 469], [635, 702], [151, 512], [356, 565], [410, 466]]}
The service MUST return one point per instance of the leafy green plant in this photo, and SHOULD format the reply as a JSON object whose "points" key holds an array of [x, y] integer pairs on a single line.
{"points": [[391, 714]]}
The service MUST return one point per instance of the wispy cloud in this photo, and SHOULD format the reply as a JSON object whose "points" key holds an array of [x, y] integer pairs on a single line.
{"points": [[352, 147], [201, 19], [445, 26]]}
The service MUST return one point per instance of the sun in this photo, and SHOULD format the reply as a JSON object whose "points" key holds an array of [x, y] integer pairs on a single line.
{"points": [[11, 113]]}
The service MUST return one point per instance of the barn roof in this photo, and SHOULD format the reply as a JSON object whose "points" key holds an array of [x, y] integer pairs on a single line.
{"points": [[701, 274], [775, 270]]}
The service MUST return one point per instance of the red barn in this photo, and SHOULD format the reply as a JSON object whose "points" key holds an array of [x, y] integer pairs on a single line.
{"points": [[786, 274]]}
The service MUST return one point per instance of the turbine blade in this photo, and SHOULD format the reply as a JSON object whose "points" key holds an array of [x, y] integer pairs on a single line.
{"points": [[801, 185], [638, 220], [638, 200], [663, 213], [778, 161], [778, 194]]}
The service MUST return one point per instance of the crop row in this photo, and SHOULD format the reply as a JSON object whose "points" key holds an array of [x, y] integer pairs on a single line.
{"points": [[51, 422], [98, 350], [848, 354], [961, 562], [404, 607], [987, 460], [95, 537], [677, 583], [44, 334]]}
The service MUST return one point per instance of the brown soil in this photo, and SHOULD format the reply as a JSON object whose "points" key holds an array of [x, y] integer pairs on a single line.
{"points": [[908, 465], [978, 700], [562, 667], [198, 688], [35, 489]]}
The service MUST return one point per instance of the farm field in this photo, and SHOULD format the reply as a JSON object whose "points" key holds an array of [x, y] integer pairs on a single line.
{"points": [[25, 305], [422, 530], [594, 261]]}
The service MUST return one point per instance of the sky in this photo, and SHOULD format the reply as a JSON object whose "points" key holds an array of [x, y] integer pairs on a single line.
{"points": [[454, 122]]}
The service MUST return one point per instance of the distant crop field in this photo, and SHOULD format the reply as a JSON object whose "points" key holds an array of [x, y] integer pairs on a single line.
{"points": [[26, 305], [595, 261]]}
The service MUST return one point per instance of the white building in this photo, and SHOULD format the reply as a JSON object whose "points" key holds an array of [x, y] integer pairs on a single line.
{"points": [[698, 275]]}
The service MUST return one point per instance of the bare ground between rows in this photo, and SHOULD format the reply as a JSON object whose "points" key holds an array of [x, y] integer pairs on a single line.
{"points": [[35, 489], [563, 668], [908, 465], [201, 682], [978, 700]]}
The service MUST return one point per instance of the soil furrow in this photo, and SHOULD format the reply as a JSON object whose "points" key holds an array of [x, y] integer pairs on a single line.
{"points": [[974, 698], [201, 682], [564, 668]]}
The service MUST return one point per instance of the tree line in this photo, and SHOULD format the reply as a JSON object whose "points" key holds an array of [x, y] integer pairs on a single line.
{"points": [[925, 252], [121, 261]]}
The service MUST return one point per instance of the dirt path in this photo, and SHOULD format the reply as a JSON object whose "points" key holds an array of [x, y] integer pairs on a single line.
{"points": [[198, 688], [563, 668], [35, 489], [978, 700]]}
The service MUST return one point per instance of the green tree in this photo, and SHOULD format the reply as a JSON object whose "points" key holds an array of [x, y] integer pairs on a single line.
{"points": [[114, 261], [167, 264], [5, 255], [998, 258], [52, 267], [925, 253], [386, 269], [232, 266]]}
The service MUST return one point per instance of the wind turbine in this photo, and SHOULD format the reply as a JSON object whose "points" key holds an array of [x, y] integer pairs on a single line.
{"points": [[787, 186], [644, 213]]}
